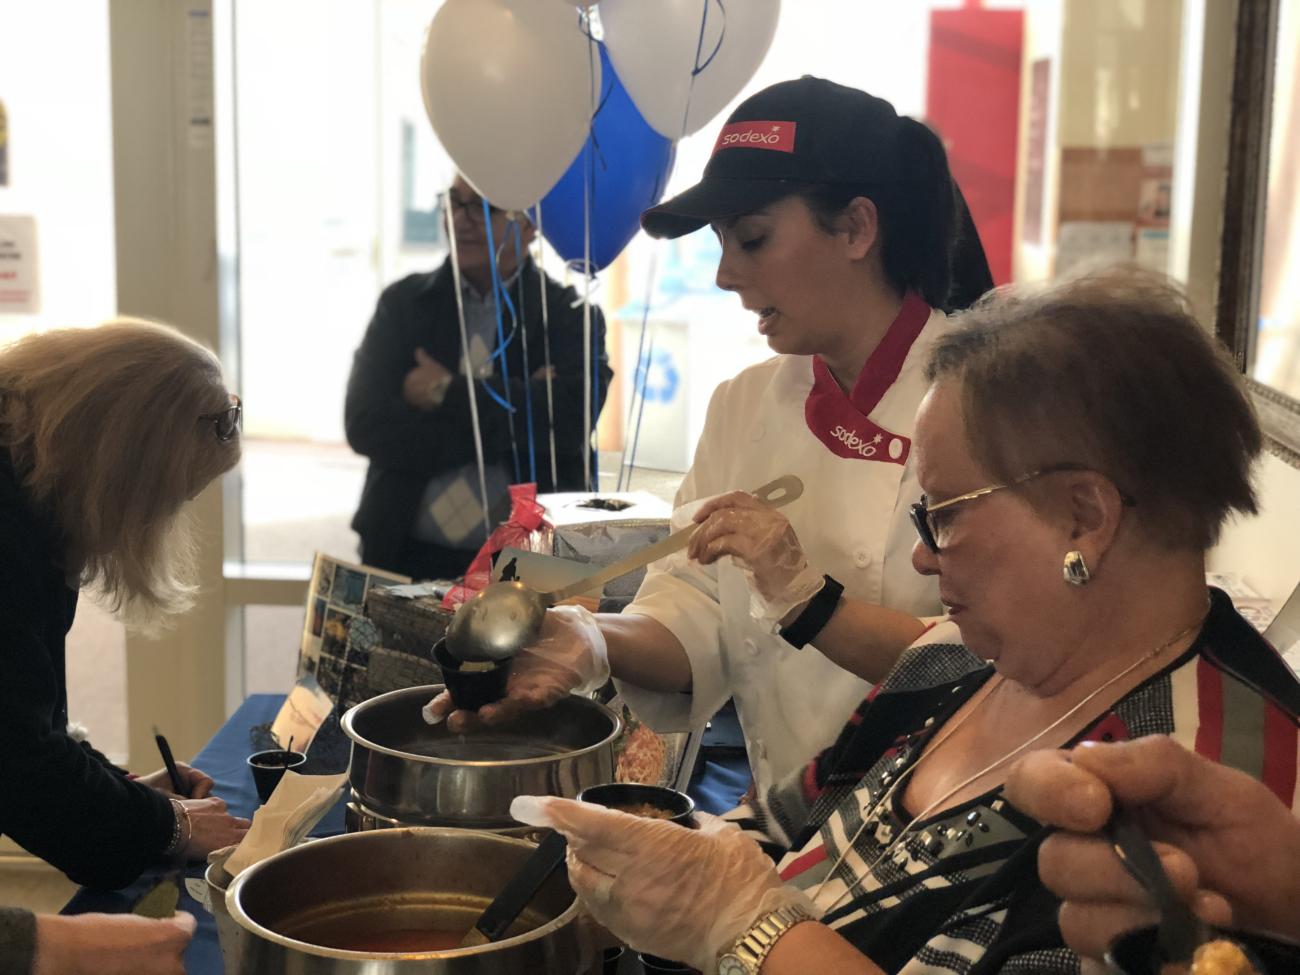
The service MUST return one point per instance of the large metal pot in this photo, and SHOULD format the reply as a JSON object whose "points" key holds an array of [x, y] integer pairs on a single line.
{"points": [[377, 888], [422, 775]]}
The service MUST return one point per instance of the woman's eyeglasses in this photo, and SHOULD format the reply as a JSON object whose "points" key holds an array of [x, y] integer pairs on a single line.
{"points": [[927, 526], [225, 423]]}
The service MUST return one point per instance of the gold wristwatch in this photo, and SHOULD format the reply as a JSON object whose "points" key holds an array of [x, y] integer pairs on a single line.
{"points": [[745, 957]]}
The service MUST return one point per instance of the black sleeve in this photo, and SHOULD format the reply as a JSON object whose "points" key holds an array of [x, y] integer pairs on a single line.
{"points": [[382, 426], [59, 800], [569, 362], [17, 941]]}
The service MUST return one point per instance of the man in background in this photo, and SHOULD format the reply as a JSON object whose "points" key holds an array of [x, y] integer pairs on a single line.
{"points": [[407, 406]]}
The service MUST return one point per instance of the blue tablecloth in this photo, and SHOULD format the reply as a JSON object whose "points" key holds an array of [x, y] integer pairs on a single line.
{"points": [[718, 784], [225, 759]]}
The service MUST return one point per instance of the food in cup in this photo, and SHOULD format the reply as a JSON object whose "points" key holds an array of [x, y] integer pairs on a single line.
{"points": [[647, 801], [1218, 957], [645, 810]]}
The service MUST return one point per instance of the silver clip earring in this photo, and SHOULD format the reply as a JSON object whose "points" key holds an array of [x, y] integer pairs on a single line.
{"points": [[1075, 570]]}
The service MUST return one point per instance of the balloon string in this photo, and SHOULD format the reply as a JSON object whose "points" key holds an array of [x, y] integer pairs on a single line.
{"points": [[546, 354], [521, 328], [500, 351], [721, 35], [466, 365], [699, 48], [501, 335], [638, 381], [640, 411], [607, 84], [588, 179]]}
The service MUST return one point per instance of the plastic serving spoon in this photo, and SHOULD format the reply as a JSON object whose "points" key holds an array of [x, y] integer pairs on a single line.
{"points": [[1180, 932], [503, 617]]}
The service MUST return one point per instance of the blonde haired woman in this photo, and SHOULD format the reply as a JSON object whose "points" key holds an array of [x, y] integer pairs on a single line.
{"points": [[105, 433]]}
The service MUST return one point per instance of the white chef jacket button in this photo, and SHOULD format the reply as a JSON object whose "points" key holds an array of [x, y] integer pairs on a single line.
{"points": [[752, 646], [862, 558], [757, 431]]}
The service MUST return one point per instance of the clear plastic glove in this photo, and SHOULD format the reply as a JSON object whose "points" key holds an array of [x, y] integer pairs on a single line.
{"points": [[569, 657], [673, 892], [763, 544]]}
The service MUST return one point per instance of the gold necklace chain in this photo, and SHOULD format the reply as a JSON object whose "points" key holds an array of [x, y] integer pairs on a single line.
{"points": [[904, 833]]}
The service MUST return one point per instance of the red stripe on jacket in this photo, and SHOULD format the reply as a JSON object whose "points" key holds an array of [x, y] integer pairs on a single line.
{"points": [[1279, 754], [805, 862], [1209, 703]]}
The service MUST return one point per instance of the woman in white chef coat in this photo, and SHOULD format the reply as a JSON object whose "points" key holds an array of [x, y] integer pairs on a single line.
{"points": [[838, 221]]}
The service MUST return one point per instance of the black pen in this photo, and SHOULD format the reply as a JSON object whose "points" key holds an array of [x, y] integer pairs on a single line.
{"points": [[172, 771]]}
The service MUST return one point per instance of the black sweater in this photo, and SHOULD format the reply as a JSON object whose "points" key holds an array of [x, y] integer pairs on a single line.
{"points": [[408, 447], [17, 941], [59, 799]]}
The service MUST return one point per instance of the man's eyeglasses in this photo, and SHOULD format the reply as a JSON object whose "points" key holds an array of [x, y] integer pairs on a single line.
{"points": [[470, 209], [927, 526], [225, 423]]}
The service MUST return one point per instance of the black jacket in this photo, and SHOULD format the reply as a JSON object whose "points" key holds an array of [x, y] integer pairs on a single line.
{"points": [[59, 799], [407, 447]]}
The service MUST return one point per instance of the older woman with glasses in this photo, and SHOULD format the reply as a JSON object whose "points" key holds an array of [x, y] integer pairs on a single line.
{"points": [[1084, 444], [105, 433]]}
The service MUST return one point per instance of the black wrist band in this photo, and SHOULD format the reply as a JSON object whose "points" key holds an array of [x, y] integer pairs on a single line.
{"points": [[815, 615]]}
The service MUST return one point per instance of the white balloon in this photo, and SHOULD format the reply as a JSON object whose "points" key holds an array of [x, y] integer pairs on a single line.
{"points": [[507, 85], [653, 47]]}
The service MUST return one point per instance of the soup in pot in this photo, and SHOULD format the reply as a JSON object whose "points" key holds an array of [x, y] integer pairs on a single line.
{"points": [[363, 934]]}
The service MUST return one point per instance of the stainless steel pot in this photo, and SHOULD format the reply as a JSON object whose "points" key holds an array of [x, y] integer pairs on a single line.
{"points": [[423, 775], [376, 887], [357, 818]]}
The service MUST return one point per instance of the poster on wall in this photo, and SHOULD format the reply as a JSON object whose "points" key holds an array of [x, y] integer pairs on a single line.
{"points": [[1155, 201], [336, 595], [19, 279]]}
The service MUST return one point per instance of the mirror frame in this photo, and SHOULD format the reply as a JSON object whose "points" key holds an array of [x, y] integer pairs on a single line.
{"points": [[1245, 193]]}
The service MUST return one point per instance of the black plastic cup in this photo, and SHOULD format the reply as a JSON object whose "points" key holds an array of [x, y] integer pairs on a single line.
{"points": [[1136, 953], [611, 958], [471, 685], [654, 965], [269, 768], [622, 795]]}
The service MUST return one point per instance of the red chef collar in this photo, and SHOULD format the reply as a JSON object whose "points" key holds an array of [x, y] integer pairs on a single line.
{"points": [[842, 422]]}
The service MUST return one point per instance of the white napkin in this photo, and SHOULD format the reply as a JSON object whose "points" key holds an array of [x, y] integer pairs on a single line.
{"points": [[296, 805]]}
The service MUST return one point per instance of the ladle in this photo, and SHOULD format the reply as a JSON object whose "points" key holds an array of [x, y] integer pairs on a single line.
{"points": [[503, 617]]}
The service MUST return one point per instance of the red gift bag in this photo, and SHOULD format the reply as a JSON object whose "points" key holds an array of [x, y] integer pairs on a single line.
{"points": [[526, 517]]}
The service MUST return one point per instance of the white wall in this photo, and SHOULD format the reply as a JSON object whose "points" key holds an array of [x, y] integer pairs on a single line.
{"points": [[54, 83], [1265, 549]]}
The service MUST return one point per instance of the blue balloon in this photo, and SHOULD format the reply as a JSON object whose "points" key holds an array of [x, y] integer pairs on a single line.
{"points": [[625, 162]]}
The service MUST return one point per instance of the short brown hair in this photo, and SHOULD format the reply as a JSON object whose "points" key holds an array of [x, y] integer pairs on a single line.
{"points": [[104, 430], [1111, 370]]}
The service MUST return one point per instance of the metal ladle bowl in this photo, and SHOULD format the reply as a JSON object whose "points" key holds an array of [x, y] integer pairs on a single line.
{"points": [[504, 617], [497, 621]]}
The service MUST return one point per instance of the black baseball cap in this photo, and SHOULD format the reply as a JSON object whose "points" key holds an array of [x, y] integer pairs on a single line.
{"points": [[790, 135]]}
